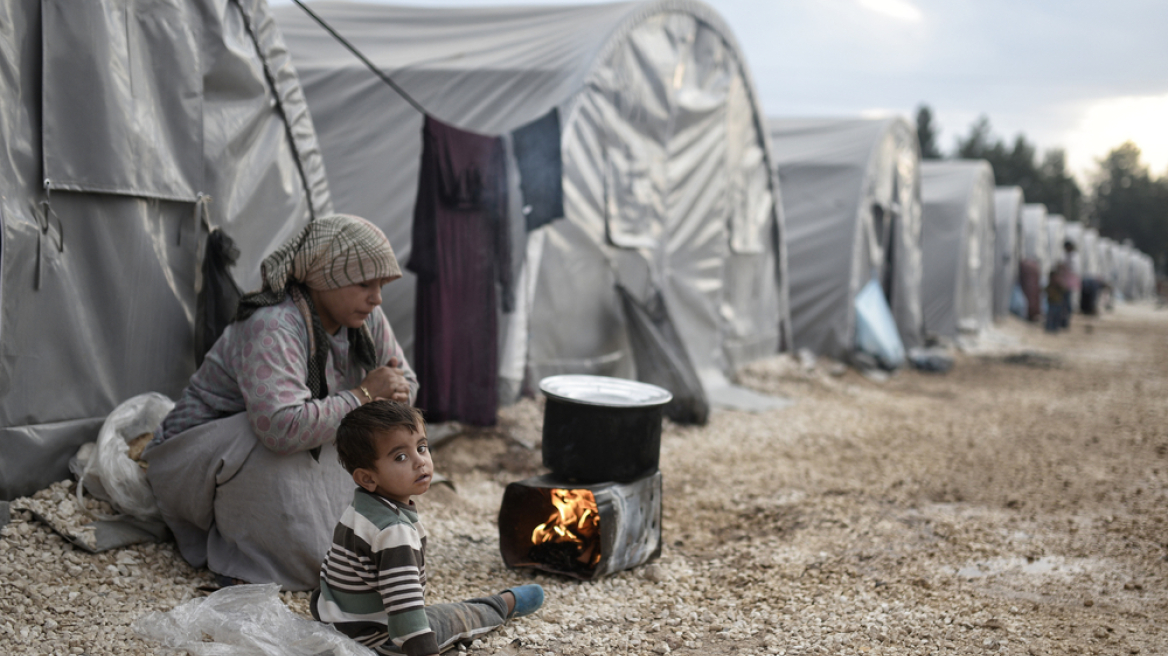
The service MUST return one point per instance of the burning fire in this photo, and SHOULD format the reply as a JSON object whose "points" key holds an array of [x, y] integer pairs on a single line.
{"points": [[576, 522]]}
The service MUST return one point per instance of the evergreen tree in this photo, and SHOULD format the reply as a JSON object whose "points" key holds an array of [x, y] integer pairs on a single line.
{"points": [[927, 133], [1128, 203], [1047, 182]]}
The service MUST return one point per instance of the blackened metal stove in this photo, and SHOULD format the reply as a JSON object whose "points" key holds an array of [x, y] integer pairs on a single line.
{"points": [[582, 531], [599, 511]]}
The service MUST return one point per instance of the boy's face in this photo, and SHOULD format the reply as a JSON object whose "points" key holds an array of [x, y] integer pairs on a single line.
{"points": [[403, 467]]}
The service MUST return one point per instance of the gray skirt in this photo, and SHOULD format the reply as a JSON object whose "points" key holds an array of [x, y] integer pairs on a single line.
{"points": [[244, 511]]}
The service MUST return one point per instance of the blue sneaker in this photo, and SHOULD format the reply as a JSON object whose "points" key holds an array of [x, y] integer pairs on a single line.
{"points": [[528, 599]]}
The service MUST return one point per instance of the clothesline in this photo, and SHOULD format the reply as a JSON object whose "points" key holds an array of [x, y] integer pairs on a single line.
{"points": [[353, 49]]}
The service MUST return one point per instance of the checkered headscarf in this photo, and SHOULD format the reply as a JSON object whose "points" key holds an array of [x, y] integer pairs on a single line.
{"points": [[331, 252]]}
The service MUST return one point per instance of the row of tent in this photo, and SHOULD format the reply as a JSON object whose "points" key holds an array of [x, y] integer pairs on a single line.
{"points": [[132, 129], [1040, 236]]}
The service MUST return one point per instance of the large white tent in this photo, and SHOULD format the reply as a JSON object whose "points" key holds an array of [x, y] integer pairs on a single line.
{"points": [[957, 246], [852, 209], [1056, 236], [126, 129], [1092, 266], [1124, 280], [1034, 237], [667, 183], [1114, 268], [1008, 203], [1073, 232]]}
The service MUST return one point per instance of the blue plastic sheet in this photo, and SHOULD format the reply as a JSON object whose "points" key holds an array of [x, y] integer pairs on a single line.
{"points": [[1018, 304], [876, 332]]}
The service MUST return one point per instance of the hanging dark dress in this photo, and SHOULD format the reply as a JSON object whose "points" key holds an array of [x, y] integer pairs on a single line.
{"points": [[460, 250]]}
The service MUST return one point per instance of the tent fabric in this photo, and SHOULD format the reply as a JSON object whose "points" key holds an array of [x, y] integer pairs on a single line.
{"points": [[143, 97], [667, 185], [1092, 264], [1008, 202], [957, 246], [1056, 232], [98, 276], [852, 209], [1034, 237]]}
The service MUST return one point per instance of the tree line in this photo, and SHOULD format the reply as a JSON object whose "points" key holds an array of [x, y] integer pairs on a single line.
{"points": [[1123, 199]]}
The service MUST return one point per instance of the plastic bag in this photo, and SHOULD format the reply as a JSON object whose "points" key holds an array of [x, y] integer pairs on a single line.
{"points": [[110, 468], [244, 620]]}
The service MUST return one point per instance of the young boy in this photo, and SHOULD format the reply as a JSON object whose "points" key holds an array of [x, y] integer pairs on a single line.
{"points": [[1056, 302], [374, 576]]}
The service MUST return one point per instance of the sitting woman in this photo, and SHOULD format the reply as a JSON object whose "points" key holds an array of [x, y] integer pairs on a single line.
{"points": [[245, 467]]}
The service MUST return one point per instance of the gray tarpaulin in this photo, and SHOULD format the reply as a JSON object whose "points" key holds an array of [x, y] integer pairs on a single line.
{"points": [[852, 208], [132, 109], [1073, 232], [1034, 237], [666, 176], [957, 245], [1056, 233], [1121, 265], [1008, 203], [1113, 264], [1092, 266], [142, 91], [1134, 272]]}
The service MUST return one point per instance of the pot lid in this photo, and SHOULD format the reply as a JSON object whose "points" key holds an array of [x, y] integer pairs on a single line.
{"points": [[604, 391]]}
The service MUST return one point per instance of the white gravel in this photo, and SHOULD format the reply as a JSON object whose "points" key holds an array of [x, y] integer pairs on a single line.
{"points": [[1001, 508]]}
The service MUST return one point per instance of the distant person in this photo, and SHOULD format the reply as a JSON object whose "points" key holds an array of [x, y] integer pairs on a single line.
{"points": [[1056, 299], [1029, 278], [373, 580]]}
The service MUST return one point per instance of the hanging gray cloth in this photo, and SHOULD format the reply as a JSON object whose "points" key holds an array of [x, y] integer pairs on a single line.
{"points": [[541, 170], [661, 358]]}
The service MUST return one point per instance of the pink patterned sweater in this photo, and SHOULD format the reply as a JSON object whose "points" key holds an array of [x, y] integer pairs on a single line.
{"points": [[261, 364]]}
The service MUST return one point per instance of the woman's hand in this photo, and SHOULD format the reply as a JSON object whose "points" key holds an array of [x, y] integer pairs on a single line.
{"points": [[387, 382]]}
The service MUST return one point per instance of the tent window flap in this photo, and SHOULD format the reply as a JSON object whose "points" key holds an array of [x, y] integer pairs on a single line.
{"points": [[129, 119]]}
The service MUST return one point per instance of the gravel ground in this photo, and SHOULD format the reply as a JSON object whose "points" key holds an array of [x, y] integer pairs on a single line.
{"points": [[1015, 505]]}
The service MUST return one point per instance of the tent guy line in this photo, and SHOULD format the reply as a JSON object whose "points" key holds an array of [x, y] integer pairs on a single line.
{"points": [[357, 53]]}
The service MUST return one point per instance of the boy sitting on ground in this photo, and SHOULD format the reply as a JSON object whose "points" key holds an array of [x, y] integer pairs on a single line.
{"points": [[374, 576]]}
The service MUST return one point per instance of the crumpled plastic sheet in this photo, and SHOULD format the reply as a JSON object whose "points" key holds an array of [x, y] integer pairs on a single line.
{"points": [[244, 620]]}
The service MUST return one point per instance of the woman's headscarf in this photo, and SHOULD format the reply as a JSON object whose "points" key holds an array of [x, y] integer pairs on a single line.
{"points": [[331, 252]]}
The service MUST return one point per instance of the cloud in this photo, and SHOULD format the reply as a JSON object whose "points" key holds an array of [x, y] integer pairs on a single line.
{"points": [[898, 9], [1108, 123]]}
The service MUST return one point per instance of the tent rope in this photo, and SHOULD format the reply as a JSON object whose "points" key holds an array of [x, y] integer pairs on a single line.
{"points": [[376, 71]]}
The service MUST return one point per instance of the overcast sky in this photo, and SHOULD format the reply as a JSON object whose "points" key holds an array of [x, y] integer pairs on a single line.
{"points": [[1084, 75]]}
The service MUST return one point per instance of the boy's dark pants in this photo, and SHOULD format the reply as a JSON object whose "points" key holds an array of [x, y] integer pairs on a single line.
{"points": [[456, 622]]}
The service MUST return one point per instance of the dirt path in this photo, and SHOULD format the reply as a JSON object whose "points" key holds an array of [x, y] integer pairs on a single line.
{"points": [[1014, 505]]}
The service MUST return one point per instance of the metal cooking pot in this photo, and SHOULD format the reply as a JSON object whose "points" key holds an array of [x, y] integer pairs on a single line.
{"points": [[598, 429]]}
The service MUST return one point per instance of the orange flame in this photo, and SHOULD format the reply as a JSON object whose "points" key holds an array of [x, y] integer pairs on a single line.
{"points": [[577, 520]]}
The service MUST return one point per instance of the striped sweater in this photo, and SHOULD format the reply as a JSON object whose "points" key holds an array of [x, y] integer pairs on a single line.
{"points": [[373, 578]]}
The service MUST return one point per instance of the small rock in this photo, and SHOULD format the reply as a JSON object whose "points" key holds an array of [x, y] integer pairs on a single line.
{"points": [[1088, 602], [654, 573]]}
